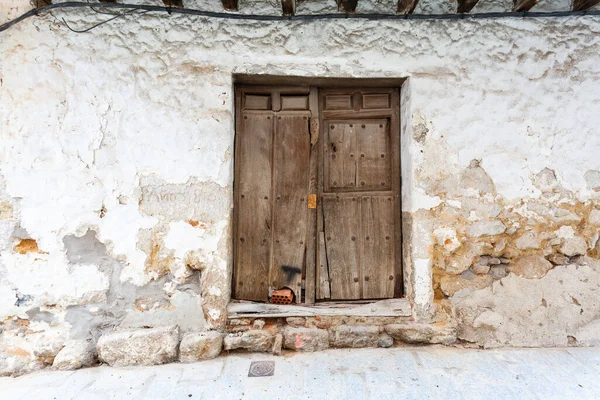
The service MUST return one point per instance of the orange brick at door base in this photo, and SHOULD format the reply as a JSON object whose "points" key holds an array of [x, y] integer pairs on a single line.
{"points": [[282, 296]]}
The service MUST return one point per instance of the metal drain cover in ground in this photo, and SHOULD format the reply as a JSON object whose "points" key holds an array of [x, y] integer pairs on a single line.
{"points": [[261, 368]]}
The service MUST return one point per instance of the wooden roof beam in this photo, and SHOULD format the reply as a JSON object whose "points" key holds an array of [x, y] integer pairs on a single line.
{"points": [[524, 5], [230, 5], [41, 3], [584, 5], [347, 6], [406, 6], [465, 6], [288, 7], [173, 3]]}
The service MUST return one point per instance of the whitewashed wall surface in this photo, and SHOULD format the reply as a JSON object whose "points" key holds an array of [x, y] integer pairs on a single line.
{"points": [[116, 171]]}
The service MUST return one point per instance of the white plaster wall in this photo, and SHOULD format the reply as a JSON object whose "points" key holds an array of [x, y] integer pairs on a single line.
{"points": [[94, 125]]}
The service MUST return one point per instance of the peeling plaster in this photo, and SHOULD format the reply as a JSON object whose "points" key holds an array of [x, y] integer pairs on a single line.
{"points": [[134, 136]]}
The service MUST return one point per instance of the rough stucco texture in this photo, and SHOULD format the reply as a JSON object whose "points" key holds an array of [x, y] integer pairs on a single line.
{"points": [[116, 170]]}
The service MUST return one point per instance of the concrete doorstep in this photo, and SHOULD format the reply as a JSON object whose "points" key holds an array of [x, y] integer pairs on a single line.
{"points": [[396, 373]]}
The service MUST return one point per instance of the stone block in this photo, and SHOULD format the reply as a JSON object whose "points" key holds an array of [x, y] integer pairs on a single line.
{"points": [[139, 346], [463, 261], [451, 284], [530, 267], [305, 339], [385, 340], [197, 346], [438, 333], [445, 237], [486, 228], [76, 354], [498, 272], [558, 259], [481, 269], [295, 322], [258, 324], [565, 217], [277, 344], [253, 340], [468, 274], [355, 336], [529, 240], [47, 348], [488, 260], [573, 246], [594, 217]]}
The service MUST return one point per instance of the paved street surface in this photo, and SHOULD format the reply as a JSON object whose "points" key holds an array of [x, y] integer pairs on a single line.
{"points": [[399, 373]]}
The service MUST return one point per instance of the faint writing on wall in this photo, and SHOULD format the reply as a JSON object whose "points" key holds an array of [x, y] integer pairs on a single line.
{"points": [[196, 196]]}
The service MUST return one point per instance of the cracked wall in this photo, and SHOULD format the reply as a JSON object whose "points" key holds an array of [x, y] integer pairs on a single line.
{"points": [[116, 170]]}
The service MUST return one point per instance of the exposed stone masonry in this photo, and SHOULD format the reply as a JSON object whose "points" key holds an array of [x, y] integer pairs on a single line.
{"points": [[483, 241], [115, 198]]}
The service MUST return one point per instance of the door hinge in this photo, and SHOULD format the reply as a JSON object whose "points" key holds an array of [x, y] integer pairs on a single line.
{"points": [[303, 283]]}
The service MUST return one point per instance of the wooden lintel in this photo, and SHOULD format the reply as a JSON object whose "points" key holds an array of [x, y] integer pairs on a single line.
{"points": [[584, 5], [406, 6], [288, 7], [524, 5], [231, 5], [465, 6], [347, 6]]}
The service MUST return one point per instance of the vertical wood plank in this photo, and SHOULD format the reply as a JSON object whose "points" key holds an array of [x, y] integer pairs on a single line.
{"points": [[342, 242], [319, 293], [340, 154], [373, 169], [290, 184], [236, 185], [312, 249], [253, 189], [324, 289], [397, 190], [377, 261], [276, 100]]}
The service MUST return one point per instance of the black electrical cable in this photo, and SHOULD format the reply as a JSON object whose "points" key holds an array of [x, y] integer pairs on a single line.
{"points": [[99, 23], [308, 17]]}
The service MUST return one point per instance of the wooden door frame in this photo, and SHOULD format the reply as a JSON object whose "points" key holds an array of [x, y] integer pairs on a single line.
{"points": [[314, 86]]}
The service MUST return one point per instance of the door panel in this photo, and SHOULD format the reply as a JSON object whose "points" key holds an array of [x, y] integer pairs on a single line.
{"points": [[377, 228], [253, 238], [360, 193], [290, 212], [374, 168], [362, 147], [342, 239], [340, 156]]}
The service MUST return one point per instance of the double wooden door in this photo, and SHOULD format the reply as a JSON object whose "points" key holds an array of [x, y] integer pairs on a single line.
{"points": [[317, 193]]}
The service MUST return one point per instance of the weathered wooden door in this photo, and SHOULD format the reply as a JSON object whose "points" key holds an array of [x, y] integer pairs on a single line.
{"points": [[317, 193], [271, 190], [360, 195]]}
